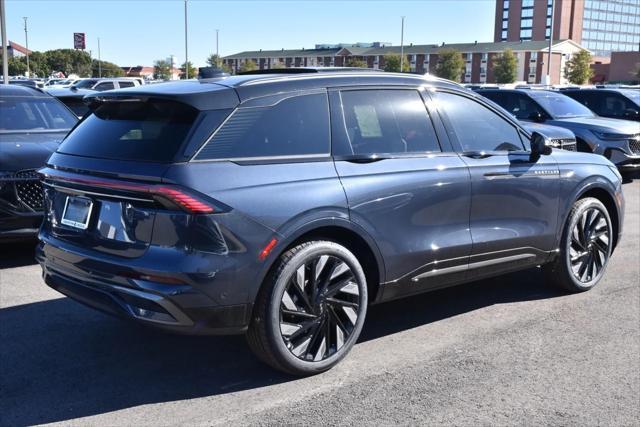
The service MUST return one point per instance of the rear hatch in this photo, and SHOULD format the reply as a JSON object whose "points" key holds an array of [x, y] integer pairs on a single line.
{"points": [[103, 187]]}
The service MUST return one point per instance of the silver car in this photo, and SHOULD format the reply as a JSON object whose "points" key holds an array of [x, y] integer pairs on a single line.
{"points": [[617, 140]]}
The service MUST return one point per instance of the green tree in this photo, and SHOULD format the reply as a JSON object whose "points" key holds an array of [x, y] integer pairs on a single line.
{"points": [[505, 67], [39, 65], [106, 69], [450, 65], [17, 67], [392, 63], [69, 61], [248, 65], [214, 60], [357, 63], [162, 69], [578, 69], [193, 71]]}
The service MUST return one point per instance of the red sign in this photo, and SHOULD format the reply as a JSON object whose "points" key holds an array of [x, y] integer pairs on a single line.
{"points": [[78, 41]]}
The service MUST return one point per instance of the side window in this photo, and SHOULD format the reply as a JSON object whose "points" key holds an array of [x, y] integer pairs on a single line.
{"points": [[388, 121], [476, 127], [523, 108], [104, 86], [296, 126], [125, 84], [615, 105]]}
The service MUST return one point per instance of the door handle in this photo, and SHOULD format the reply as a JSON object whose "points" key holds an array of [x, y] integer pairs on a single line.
{"points": [[477, 154]]}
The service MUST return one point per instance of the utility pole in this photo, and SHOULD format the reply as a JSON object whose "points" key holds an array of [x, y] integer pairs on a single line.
{"points": [[548, 78], [5, 60], [402, 44], [26, 40], [99, 60], [186, 44], [217, 38]]}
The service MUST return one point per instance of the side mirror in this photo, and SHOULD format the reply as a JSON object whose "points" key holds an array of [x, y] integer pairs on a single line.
{"points": [[539, 146], [536, 117], [630, 112]]}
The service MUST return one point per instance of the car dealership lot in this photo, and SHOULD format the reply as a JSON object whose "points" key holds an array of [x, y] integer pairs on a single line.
{"points": [[502, 351]]}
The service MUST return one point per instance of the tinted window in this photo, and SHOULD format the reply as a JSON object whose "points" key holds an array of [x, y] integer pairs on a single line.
{"points": [[126, 84], [104, 86], [34, 114], [293, 127], [388, 121], [560, 106], [476, 127], [147, 131], [85, 84], [76, 105]]}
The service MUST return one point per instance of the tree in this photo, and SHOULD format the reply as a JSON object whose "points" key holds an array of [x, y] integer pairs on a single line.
{"points": [[248, 65], [636, 72], [17, 67], [578, 69], [162, 69], [450, 65], [193, 71], [357, 63], [276, 65], [505, 67], [214, 60], [392, 63], [106, 69], [69, 61]]}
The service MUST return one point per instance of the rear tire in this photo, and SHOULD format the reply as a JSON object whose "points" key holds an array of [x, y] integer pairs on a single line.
{"points": [[585, 248], [310, 309]]}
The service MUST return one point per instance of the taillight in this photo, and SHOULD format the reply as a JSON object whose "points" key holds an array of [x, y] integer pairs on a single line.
{"points": [[176, 196], [185, 201]]}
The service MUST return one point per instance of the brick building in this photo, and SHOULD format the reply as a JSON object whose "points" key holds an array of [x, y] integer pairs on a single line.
{"points": [[602, 26], [531, 55]]}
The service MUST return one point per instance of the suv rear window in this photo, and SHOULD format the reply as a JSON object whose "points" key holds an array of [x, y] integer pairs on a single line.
{"points": [[147, 131]]}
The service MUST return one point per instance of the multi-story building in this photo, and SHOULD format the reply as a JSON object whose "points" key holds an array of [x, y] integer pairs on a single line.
{"points": [[602, 26], [531, 55]]}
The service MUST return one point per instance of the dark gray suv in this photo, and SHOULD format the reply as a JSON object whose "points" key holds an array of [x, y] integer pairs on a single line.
{"points": [[283, 205]]}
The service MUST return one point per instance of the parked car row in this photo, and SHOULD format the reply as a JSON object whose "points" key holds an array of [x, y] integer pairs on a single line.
{"points": [[282, 206]]}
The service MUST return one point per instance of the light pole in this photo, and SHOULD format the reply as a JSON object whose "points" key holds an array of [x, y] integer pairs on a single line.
{"points": [[217, 45], [186, 44], [26, 40], [99, 60], [5, 60], [402, 44], [548, 79]]}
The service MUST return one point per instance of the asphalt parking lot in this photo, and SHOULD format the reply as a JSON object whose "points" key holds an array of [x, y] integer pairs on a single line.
{"points": [[509, 350]]}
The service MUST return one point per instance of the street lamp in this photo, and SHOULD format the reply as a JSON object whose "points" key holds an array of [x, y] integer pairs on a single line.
{"points": [[26, 39], [402, 44], [186, 44]]}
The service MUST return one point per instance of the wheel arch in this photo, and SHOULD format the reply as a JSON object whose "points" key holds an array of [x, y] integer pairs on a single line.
{"points": [[608, 201], [339, 231]]}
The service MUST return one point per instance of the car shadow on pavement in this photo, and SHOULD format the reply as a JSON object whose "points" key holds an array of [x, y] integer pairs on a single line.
{"points": [[629, 177], [60, 360], [18, 254]]}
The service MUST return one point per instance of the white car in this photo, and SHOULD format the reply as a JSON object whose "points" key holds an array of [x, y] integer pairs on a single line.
{"points": [[107, 84]]}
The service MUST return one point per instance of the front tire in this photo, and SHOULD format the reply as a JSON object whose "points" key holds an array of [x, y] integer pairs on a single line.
{"points": [[310, 309], [585, 249]]}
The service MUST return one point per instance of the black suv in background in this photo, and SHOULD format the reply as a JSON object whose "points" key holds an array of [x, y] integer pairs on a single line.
{"points": [[614, 103], [32, 124], [282, 206]]}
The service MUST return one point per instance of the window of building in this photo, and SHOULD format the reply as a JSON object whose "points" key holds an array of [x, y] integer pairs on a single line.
{"points": [[527, 3], [476, 127], [505, 14], [295, 126], [526, 23], [505, 4], [388, 122], [504, 35], [527, 13], [525, 34]]}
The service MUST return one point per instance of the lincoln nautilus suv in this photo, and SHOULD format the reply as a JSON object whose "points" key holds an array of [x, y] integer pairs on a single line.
{"points": [[281, 206]]}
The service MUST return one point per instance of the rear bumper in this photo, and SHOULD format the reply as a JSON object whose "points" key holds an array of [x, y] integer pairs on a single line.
{"points": [[179, 308]]}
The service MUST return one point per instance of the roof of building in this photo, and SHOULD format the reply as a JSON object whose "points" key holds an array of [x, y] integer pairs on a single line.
{"points": [[18, 47], [409, 49]]}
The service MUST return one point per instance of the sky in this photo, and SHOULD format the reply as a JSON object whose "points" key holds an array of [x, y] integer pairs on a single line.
{"points": [[138, 32]]}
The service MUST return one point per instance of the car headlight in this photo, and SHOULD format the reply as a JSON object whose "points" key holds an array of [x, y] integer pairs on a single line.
{"points": [[615, 171], [611, 136]]}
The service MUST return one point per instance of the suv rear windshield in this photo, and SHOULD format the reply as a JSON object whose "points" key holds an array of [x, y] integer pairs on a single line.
{"points": [[150, 131]]}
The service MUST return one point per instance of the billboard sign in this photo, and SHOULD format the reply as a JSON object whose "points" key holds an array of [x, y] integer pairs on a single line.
{"points": [[78, 41]]}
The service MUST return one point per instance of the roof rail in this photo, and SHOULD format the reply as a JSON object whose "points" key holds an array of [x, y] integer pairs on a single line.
{"points": [[308, 70]]}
